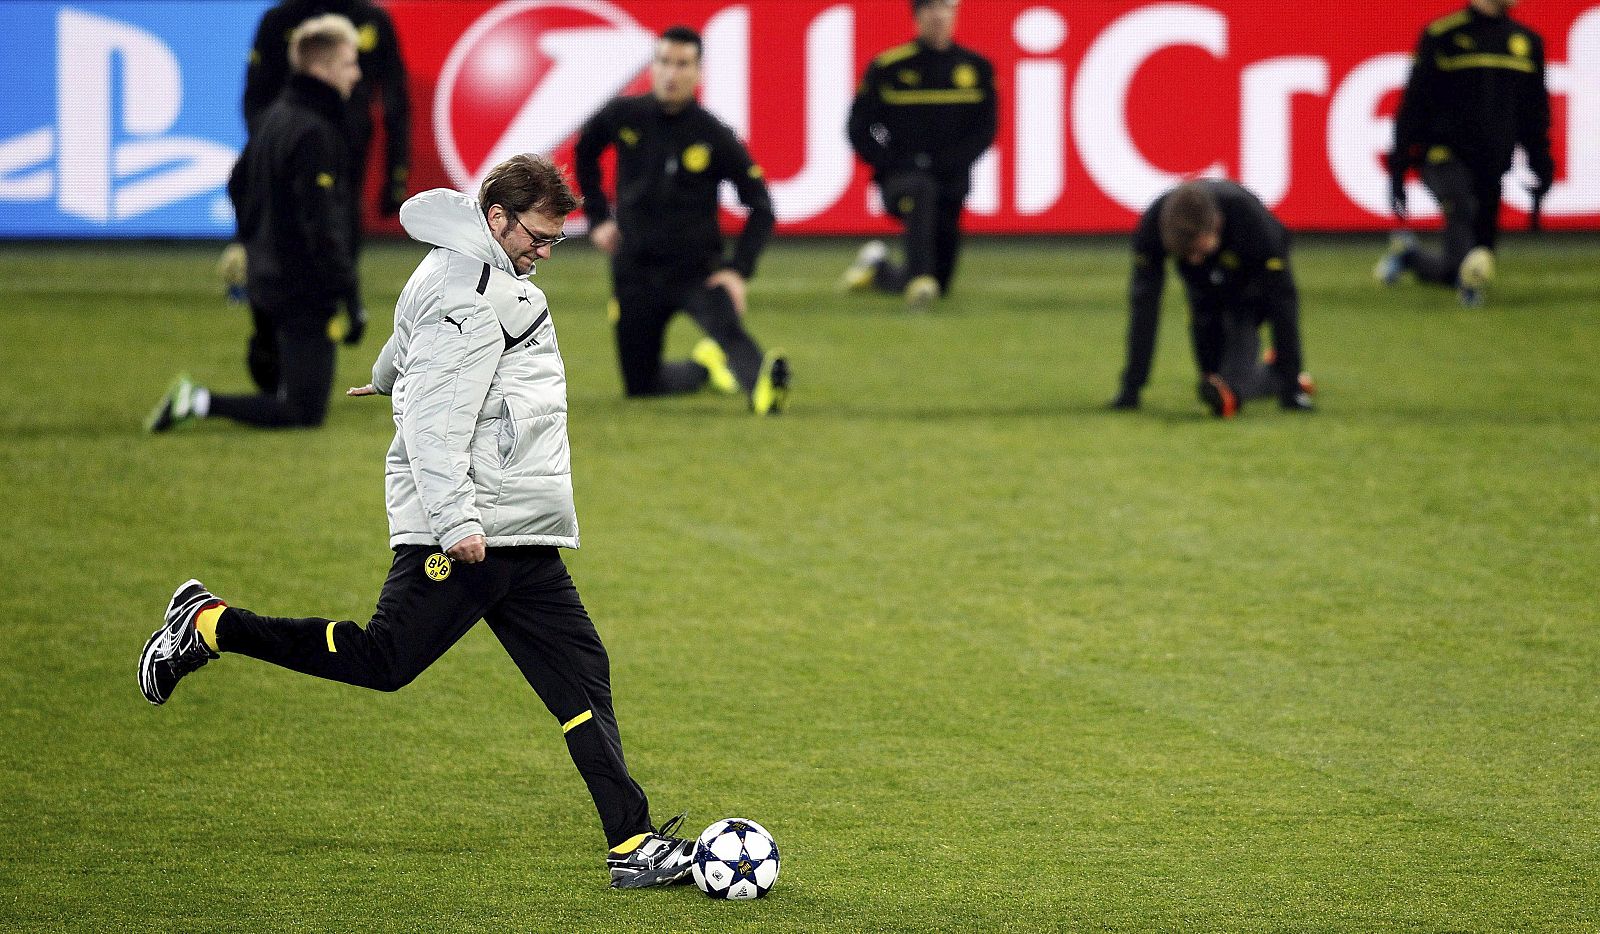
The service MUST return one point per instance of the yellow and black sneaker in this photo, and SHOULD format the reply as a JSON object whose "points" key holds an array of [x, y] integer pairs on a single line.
{"points": [[709, 354], [1474, 276], [655, 858], [921, 293], [864, 271], [771, 392], [176, 649]]}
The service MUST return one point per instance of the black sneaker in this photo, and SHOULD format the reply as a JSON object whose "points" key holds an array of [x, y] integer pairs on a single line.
{"points": [[176, 648], [1218, 396], [1298, 401], [661, 859]]}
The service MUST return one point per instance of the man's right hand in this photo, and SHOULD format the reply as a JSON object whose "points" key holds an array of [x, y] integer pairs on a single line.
{"points": [[605, 236], [1397, 195], [469, 550]]}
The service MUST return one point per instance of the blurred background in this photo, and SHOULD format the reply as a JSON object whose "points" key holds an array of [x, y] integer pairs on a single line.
{"points": [[122, 118]]}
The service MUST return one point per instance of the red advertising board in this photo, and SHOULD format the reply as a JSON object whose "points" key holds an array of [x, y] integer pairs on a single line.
{"points": [[1102, 105]]}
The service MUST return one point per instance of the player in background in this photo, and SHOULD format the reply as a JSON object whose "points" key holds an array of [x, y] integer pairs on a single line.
{"points": [[291, 190], [922, 115], [1476, 91], [1233, 257], [383, 78], [665, 243], [478, 487]]}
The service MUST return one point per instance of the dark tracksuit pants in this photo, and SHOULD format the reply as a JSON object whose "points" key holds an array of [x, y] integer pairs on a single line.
{"points": [[648, 295], [291, 360], [1226, 331], [1470, 201], [530, 603], [930, 209]]}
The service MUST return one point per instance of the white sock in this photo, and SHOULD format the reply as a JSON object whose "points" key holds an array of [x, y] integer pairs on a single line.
{"points": [[200, 402]]}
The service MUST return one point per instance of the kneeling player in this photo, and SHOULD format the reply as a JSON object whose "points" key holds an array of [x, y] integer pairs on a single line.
{"points": [[1233, 256]]}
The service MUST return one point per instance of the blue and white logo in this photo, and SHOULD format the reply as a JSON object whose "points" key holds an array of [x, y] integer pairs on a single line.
{"points": [[121, 119]]}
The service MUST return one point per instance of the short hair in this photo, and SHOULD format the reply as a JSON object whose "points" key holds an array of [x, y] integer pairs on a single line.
{"points": [[524, 183], [683, 35], [317, 38], [1189, 211]]}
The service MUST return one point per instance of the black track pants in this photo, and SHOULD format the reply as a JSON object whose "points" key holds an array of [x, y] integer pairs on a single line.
{"points": [[532, 606], [647, 298], [930, 209], [1470, 202], [291, 360]]}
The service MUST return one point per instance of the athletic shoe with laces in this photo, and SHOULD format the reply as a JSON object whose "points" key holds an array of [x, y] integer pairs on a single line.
{"points": [[660, 859], [864, 271], [921, 293], [176, 407], [709, 354], [1393, 262], [771, 392], [1218, 396], [176, 649]]}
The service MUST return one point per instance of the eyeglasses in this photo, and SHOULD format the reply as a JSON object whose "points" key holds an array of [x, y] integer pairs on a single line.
{"points": [[538, 241]]}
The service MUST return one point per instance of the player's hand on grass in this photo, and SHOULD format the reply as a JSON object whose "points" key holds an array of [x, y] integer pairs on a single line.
{"points": [[367, 390], [605, 236], [730, 282], [469, 550]]}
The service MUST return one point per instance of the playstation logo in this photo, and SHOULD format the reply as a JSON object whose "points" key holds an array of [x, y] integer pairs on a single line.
{"points": [[111, 155]]}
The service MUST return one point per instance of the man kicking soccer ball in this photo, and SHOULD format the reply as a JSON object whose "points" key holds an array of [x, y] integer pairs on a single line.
{"points": [[480, 498]]}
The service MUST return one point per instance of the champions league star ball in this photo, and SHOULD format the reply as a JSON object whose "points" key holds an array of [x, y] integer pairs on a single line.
{"points": [[735, 858]]}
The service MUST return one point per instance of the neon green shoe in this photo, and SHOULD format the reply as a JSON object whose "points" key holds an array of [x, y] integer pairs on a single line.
{"points": [[772, 386], [862, 272], [175, 408], [709, 354]]}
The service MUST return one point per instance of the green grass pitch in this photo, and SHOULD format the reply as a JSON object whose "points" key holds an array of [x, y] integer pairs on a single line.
{"points": [[982, 655]]}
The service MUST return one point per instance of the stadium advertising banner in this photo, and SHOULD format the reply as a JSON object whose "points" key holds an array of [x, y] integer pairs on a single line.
{"points": [[120, 119], [123, 116]]}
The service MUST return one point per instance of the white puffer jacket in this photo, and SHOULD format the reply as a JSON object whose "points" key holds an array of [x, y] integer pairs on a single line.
{"points": [[480, 394]]}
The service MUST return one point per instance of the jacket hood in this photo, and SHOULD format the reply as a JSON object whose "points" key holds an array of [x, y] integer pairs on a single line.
{"points": [[449, 219]]}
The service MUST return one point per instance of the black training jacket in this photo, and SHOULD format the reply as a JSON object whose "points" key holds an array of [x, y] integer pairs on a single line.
{"points": [[669, 169], [1476, 91], [1251, 265], [921, 109], [378, 51], [290, 190]]}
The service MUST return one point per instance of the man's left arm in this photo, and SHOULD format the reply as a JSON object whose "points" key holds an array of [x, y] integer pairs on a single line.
{"points": [[1533, 124], [980, 131], [735, 165], [391, 68]]}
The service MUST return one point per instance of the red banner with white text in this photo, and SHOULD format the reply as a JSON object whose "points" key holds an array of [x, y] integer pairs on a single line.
{"points": [[1102, 105]]}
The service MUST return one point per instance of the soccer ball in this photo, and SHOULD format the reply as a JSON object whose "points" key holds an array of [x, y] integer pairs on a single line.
{"points": [[735, 858]]}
